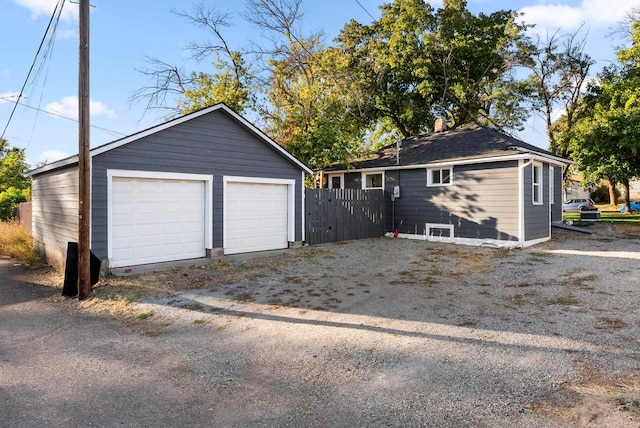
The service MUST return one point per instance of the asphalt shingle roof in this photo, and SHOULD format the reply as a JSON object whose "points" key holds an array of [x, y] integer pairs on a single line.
{"points": [[472, 142]]}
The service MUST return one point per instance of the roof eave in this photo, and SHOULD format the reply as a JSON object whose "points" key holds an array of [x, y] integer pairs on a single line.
{"points": [[522, 155]]}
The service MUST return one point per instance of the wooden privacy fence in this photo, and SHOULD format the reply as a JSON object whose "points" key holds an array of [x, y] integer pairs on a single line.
{"points": [[23, 216], [343, 214]]}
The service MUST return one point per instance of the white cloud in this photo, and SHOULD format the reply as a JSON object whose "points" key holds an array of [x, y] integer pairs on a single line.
{"points": [[52, 156], [68, 107], [594, 13], [40, 8], [6, 97]]}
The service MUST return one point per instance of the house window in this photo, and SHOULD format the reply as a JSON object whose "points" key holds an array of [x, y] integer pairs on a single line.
{"points": [[552, 186], [537, 184], [336, 181], [439, 177], [372, 180]]}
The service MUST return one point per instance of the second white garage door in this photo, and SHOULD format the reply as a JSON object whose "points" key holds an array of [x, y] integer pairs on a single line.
{"points": [[256, 217], [156, 220]]}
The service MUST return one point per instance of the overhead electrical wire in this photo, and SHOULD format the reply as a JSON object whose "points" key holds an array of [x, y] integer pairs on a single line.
{"points": [[55, 16], [60, 115], [365, 9]]}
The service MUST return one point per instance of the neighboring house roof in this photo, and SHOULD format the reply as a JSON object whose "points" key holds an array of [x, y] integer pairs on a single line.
{"points": [[462, 144], [149, 131]]}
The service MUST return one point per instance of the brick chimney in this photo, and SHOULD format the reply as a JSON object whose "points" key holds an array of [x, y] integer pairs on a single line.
{"points": [[440, 125]]}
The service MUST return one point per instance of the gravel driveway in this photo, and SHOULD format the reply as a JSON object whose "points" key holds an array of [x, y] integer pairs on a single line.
{"points": [[382, 332]]}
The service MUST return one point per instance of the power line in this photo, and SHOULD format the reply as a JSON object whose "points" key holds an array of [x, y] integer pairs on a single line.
{"points": [[54, 16], [365, 9], [60, 115]]}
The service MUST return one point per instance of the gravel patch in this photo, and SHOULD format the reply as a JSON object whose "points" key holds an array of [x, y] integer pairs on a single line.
{"points": [[391, 332]]}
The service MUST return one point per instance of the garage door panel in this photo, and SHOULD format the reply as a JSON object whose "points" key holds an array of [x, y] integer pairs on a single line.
{"points": [[156, 220], [256, 217]]}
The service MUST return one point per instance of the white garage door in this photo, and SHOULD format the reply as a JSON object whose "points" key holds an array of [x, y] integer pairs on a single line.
{"points": [[255, 217], [156, 220]]}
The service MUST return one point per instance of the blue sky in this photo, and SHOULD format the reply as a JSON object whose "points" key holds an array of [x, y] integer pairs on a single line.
{"points": [[121, 31]]}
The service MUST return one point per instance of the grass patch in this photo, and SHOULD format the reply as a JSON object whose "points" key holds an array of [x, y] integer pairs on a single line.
{"points": [[514, 301], [611, 324], [145, 315], [612, 217], [473, 261], [114, 303], [118, 295], [564, 301], [539, 258], [16, 243]]}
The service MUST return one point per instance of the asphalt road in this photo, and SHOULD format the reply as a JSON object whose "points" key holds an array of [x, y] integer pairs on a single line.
{"points": [[63, 367]]}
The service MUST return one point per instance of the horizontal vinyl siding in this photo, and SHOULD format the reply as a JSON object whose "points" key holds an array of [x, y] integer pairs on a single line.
{"points": [[55, 208], [482, 202], [536, 217], [213, 144]]}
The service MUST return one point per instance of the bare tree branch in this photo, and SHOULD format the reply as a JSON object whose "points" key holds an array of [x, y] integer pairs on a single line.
{"points": [[164, 79], [213, 20]]}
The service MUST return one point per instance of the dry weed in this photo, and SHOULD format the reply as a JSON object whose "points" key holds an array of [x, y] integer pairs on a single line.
{"points": [[16, 243]]}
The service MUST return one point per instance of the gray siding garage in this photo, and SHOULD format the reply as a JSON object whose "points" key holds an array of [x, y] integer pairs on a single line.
{"points": [[159, 195]]}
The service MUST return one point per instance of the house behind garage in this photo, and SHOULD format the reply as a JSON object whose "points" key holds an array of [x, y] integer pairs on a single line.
{"points": [[206, 183], [471, 185]]}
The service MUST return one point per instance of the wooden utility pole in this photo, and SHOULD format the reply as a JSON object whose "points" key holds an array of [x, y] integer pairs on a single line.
{"points": [[84, 158]]}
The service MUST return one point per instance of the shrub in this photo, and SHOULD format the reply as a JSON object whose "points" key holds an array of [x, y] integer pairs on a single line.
{"points": [[16, 243], [9, 201]]}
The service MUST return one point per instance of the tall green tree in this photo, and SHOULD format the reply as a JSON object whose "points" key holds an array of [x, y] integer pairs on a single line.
{"points": [[14, 185], [417, 63], [309, 91], [606, 143], [559, 67], [308, 111]]}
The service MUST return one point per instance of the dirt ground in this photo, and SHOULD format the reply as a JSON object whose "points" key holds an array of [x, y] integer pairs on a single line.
{"points": [[381, 332]]}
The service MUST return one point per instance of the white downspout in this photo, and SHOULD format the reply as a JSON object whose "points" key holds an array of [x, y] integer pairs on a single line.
{"points": [[521, 200]]}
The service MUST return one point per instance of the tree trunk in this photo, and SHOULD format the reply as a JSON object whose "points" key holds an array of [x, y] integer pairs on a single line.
{"points": [[400, 127], [627, 201], [613, 196]]}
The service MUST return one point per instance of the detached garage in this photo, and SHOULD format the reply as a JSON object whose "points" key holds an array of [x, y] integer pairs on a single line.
{"points": [[205, 183]]}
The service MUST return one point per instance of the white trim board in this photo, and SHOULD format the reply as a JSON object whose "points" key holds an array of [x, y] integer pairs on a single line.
{"points": [[208, 198], [363, 179], [474, 242], [150, 131]]}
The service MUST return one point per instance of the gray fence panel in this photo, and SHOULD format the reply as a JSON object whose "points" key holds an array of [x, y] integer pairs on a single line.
{"points": [[343, 214]]}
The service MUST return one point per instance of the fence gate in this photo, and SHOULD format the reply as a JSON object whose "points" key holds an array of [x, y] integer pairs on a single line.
{"points": [[343, 214]]}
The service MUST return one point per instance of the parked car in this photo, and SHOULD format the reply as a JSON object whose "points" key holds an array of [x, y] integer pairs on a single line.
{"points": [[635, 207], [578, 205]]}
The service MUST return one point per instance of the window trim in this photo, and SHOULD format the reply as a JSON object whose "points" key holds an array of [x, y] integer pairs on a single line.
{"points": [[364, 179], [331, 176], [536, 188], [430, 172]]}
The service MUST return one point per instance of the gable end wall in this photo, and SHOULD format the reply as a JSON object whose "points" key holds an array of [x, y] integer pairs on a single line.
{"points": [[212, 144]]}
